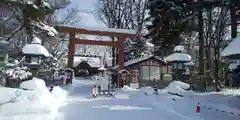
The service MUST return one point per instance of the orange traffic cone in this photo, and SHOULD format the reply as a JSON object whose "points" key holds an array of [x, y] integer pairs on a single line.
{"points": [[198, 108]]}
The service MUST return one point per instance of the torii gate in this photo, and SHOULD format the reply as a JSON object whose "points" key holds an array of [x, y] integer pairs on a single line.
{"points": [[120, 34]]}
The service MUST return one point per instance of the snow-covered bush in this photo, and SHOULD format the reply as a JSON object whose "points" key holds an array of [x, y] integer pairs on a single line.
{"points": [[18, 73]]}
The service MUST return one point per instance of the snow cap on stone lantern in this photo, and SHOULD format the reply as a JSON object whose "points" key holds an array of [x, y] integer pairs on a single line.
{"points": [[179, 55], [35, 48], [36, 40], [179, 48]]}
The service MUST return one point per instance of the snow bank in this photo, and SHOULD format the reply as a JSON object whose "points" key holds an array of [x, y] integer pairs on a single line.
{"points": [[127, 88], [125, 92], [59, 94], [229, 92], [147, 90], [177, 86], [34, 84], [36, 99]]}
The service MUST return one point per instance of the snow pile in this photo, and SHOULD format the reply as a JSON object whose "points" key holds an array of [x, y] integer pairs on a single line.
{"points": [[177, 86], [125, 92], [34, 84], [230, 92], [59, 94], [147, 90], [127, 88], [35, 99]]}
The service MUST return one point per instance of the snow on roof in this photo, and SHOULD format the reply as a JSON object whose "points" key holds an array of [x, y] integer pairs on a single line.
{"points": [[100, 28], [232, 66], [35, 49], [181, 57], [92, 61], [36, 40], [232, 48], [133, 61]]}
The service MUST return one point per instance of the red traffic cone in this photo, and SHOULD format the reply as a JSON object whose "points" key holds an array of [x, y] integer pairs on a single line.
{"points": [[198, 108]]}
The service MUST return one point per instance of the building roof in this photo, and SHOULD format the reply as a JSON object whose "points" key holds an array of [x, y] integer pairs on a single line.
{"points": [[92, 61], [137, 60]]}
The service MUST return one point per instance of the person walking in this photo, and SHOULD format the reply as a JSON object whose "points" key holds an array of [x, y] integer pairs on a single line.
{"points": [[94, 91]]}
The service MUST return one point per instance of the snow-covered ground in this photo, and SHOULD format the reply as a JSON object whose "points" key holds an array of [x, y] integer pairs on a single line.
{"points": [[135, 104]]}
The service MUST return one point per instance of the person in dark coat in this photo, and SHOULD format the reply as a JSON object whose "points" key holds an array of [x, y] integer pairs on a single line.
{"points": [[94, 91], [51, 89], [99, 89]]}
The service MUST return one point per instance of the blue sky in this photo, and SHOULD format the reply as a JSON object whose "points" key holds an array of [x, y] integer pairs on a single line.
{"points": [[86, 18]]}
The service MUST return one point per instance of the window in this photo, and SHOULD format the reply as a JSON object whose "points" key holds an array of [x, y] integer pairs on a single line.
{"points": [[145, 72], [28, 59], [164, 69], [175, 65], [34, 60], [180, 66], [155, 72], [169, 69], [2, 58]]}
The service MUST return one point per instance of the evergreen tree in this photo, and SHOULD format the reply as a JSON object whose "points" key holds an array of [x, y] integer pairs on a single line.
{"points": [[169, 19], [31, 14]]}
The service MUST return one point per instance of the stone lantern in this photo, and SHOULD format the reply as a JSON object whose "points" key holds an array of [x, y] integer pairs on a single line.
{"points": [[34, 54], [102, 69], [178, 59]]}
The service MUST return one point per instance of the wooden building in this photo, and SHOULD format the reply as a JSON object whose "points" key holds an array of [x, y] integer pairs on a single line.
{"points": [[85, 66], [144, 71]]}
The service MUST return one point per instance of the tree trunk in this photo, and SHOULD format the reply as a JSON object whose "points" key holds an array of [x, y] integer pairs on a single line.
{"points": [[201, 40], [233, 19], [208, 48]]}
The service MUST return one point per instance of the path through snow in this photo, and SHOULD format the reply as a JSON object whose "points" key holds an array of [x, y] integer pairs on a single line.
{"points": [[134, 105]]}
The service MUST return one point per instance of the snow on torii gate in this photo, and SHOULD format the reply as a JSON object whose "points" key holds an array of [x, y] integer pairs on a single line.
{"points": [[120, 34]]}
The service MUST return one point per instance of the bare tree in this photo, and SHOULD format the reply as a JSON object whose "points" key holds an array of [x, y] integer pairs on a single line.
{"points": [[125, 14]]}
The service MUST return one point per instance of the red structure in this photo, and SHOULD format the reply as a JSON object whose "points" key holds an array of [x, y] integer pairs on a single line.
{"points": [[120, 34]]}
